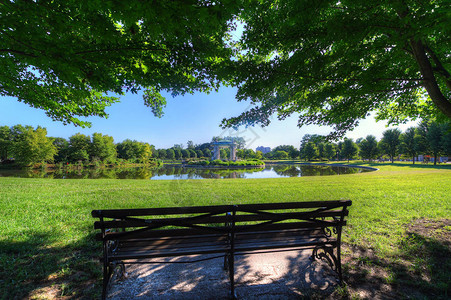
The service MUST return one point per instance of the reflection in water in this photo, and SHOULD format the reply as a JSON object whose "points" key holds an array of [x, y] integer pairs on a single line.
{"points": [[179, 172]]}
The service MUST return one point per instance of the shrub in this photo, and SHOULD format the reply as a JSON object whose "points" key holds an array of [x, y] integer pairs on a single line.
{"points": [[199, 162], [218, 162]]}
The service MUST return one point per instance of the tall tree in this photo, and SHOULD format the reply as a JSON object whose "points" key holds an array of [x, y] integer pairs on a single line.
{"points": [[292, 152], [329, 150], [423, 143], [446, 141], [170, 153], [135, 151], [162, 153], [62, 149], [33, 146], [434, 137], [350, 149], [410, 143], [368, 148], [207, 153], [310, 151], [64, 56], [316, 139], [192, 153], [390, 142], [79, 145], [199, 153], [190, 145], [5, 142], [103, 148], [178, 153], [185, 153], [335, 61], [279, 154]]}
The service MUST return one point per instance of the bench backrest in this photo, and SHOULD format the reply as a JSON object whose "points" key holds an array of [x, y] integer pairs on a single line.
{"points": [[125, 224]]}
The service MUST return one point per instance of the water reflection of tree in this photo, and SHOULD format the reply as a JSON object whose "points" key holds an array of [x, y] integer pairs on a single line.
{"points": [[179, 172], [287, 170]]}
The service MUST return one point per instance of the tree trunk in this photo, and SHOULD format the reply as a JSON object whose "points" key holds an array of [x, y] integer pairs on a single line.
{"points": [[435, 159], [426, 69], [413, 159], [429, 80]]}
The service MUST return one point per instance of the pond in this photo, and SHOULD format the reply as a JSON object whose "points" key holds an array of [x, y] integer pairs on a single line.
{"points": [[170, 172]]}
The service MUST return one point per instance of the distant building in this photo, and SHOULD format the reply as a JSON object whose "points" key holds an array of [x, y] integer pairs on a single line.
{"points": [[263, 149]]}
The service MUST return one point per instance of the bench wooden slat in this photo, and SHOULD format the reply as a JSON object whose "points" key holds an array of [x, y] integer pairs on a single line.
{"points": [[301, 245], [175, 241], [294, 205], [297, 232], [214, 219], [190, 232], [170, 243], [153, 234], [175, 252], [117, 213], [217, 209], [288, 225]]}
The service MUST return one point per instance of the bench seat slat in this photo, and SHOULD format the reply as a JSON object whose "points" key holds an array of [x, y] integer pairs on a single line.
{"points": [[296, 244], [169, 253], [169, 243], [154, 233], [176, 240], [250, 235], [255, 240]]}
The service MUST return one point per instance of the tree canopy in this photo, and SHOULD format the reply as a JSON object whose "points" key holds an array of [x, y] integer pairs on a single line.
{"points": [[65, 56], [335, 61], [331, 61]]}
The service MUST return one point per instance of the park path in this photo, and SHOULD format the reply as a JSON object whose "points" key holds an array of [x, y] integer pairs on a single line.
{"points": [[281, 275]]}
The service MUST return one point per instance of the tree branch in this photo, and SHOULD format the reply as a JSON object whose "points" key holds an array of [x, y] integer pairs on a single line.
{"points": [[18, 52], [430, 83], [348, 79], [119, 49], [400, 89], [439, 68]]}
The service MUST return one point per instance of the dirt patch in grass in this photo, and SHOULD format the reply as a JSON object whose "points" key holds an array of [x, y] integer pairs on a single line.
{"points": [[422, 271], [439, 230]]}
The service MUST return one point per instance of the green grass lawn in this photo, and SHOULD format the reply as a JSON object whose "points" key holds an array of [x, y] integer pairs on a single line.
{"points": [[47, 248]]}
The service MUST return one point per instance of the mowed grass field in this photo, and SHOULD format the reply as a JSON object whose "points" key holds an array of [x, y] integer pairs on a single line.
{"points": [[397, 235]]}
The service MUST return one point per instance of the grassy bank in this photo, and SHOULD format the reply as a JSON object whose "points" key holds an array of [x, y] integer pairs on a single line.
{"points": [[46, 234]]}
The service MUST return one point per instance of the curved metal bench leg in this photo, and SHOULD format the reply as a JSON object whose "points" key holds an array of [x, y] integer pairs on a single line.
{"points": [[328, 255]]}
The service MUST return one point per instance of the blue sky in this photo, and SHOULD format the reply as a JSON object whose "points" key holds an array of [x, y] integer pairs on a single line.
{"points": [[190, 117]]}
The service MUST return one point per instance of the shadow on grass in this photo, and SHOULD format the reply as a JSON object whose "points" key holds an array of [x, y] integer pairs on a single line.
{"points": [[35, 269], [422, 271]]}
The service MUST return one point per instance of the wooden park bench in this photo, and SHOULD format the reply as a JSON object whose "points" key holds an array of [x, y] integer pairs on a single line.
{"points": [[136, 235]]}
